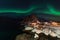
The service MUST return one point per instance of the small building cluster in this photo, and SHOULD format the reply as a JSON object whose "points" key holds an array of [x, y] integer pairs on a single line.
{"points": [[51, 28]]}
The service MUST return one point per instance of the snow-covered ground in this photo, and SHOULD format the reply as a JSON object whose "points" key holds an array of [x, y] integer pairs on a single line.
{"points": [[48, 30]]}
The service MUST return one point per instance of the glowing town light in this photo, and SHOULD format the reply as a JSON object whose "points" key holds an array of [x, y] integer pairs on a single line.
{"points": [[48, 28]]}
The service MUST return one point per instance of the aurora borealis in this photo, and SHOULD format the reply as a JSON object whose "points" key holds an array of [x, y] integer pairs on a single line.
{"points": [[51, 10], [17, 11], [25, 6]]}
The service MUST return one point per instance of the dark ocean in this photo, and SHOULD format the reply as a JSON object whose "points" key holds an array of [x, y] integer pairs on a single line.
{"points": [[10, 25]]}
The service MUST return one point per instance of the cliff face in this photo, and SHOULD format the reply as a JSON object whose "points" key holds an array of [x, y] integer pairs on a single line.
{"points": [[30, 18]]}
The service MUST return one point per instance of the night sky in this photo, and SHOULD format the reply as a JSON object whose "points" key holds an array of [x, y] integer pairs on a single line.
{"points": [[11, 11], [15, 8], [27, 6]]}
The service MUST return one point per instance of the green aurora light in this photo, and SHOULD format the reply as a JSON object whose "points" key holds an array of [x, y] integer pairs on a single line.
{"points": [[51, 10], [17, 10]]}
